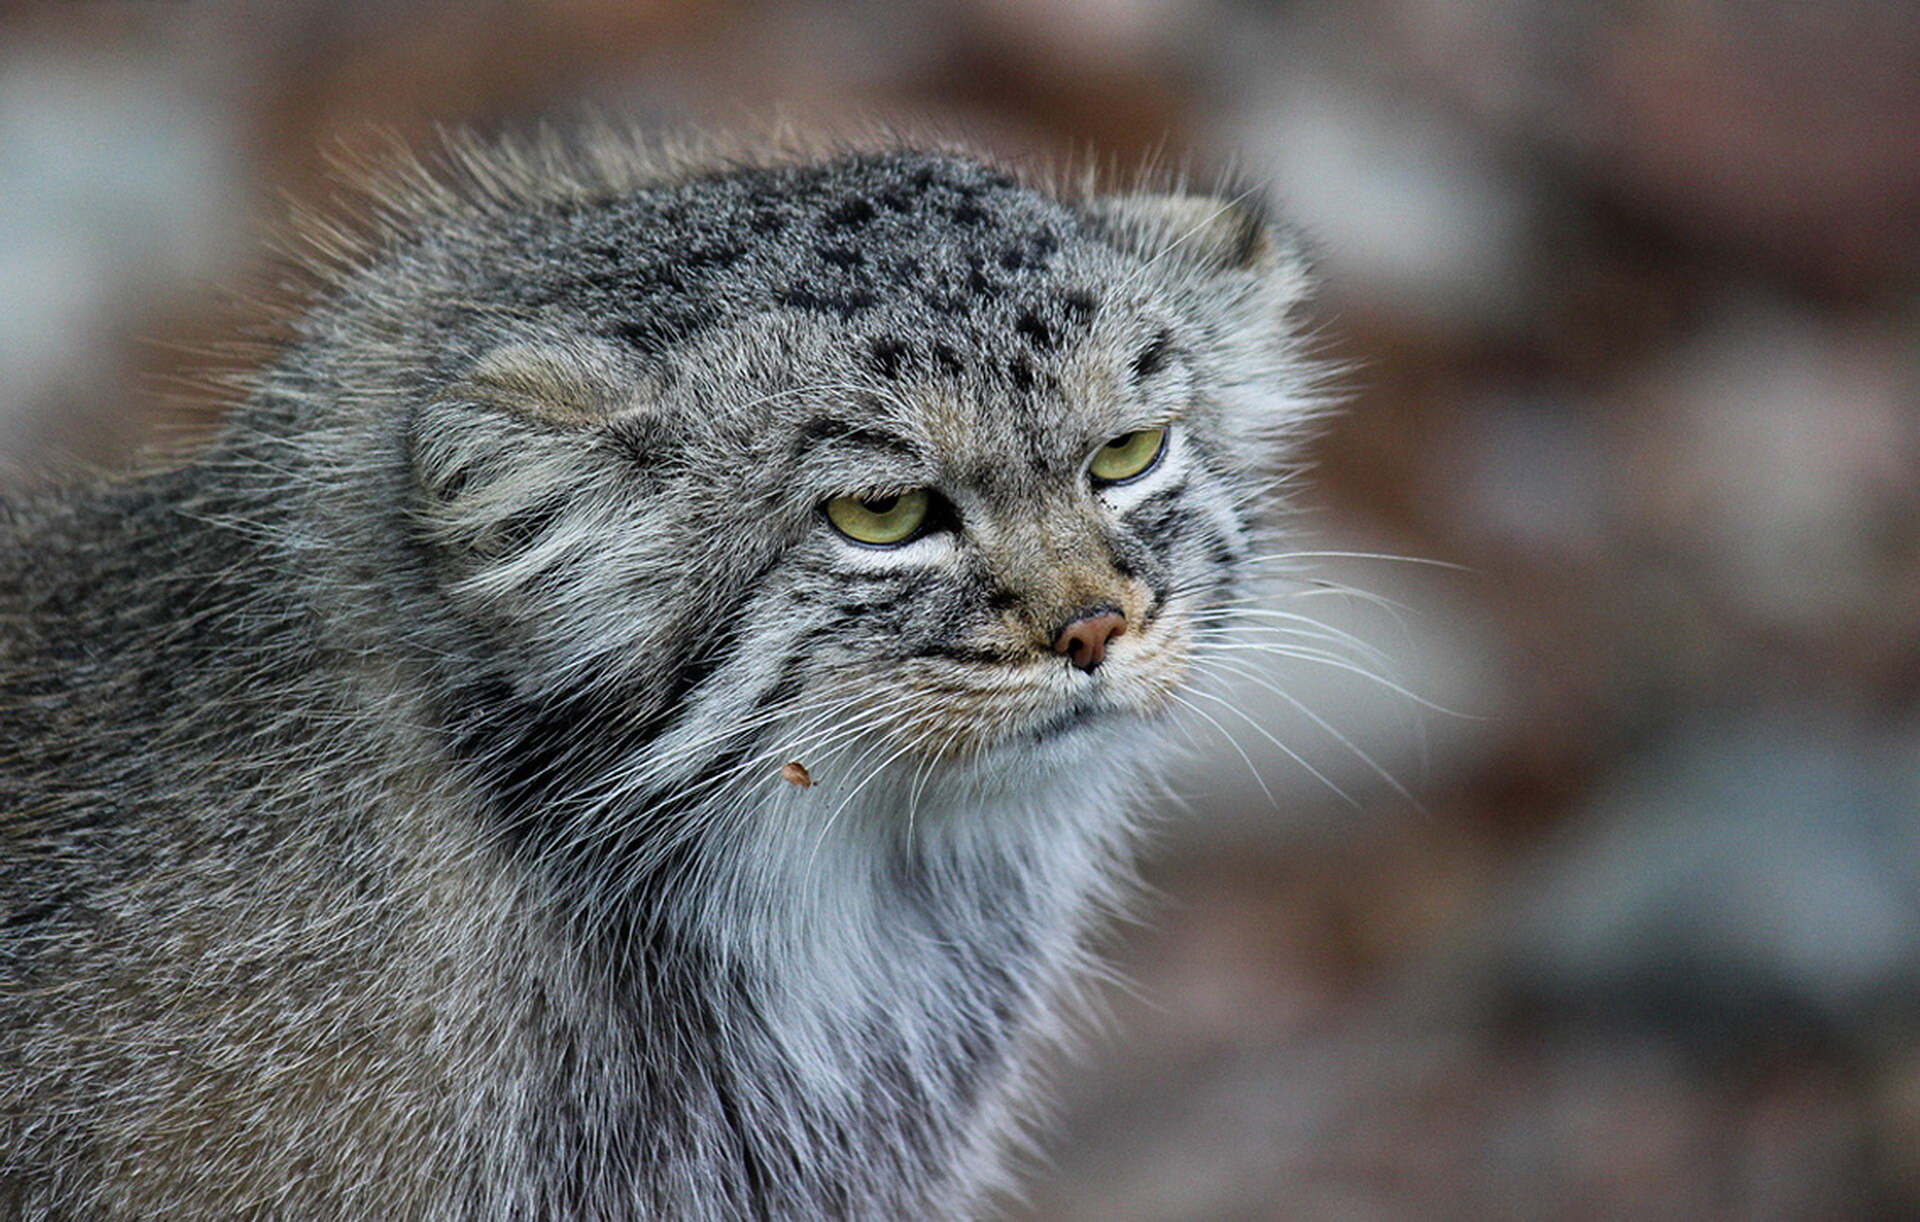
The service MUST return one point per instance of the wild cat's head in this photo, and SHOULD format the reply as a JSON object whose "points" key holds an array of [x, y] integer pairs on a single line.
{"points": [[764, 458]]}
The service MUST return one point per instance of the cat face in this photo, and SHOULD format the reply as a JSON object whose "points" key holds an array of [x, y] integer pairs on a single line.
{"points": [[891, 446], [998, 559]]}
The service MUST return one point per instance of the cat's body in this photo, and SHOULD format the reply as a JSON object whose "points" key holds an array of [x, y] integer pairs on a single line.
{"points": [[392, 809]]}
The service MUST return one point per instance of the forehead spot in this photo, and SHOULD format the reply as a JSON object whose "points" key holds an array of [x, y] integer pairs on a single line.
{"points": [[1034, 331], [947, 360], [717, 256], [845, 305], [887, 356], [851, 215], [1153, 357], [1020, 370]]}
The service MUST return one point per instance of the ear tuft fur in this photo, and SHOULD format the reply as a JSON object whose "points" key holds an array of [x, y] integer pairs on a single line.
{"points": [[572, 383], [1214, 234]]}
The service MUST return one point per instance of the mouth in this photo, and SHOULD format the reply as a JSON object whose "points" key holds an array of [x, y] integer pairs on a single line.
{"points": [[952, 708], [1083, 711], [1137, 679]]}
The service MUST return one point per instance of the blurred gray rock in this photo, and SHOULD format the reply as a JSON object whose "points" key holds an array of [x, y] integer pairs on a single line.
{"points": [[1786, 452], [1744, 884]]}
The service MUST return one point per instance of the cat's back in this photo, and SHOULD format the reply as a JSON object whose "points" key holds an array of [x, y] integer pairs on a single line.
{"points": [[116, 600], [82, 640], [82, 637], [99, 623], [164, 763]]}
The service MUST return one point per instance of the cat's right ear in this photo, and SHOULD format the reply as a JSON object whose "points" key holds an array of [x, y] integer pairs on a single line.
{"points": [[1199, 232]]}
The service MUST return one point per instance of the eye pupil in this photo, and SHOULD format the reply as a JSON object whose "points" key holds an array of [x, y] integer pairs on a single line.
{"points": [[882, 504]]}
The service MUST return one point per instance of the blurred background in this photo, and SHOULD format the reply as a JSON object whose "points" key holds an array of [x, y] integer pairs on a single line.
{"points": [[1576, 875]]}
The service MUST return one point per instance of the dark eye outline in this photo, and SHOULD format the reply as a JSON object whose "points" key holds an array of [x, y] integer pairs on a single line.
{"points": [[1159, 452]]}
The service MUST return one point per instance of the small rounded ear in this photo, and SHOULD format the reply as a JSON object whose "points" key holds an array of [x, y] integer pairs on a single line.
{"points": [[572, 382], [1214, 234], [502, 446]]}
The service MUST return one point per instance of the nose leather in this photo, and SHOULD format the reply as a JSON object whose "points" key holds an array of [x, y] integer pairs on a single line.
{"points": [[1084, 639]]}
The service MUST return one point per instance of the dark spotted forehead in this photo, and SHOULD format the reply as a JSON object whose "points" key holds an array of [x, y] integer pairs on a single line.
{"points": [[926, 264]]}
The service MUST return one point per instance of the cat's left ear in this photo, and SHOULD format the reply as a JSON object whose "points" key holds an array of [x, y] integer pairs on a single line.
{"points": [[1203, 232]]}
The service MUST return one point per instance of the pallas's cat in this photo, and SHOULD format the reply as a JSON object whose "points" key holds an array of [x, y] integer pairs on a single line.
{"points": [[636, 712]]}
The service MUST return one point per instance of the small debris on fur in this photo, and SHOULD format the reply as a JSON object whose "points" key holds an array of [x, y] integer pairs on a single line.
{"points": [[796, 772]]}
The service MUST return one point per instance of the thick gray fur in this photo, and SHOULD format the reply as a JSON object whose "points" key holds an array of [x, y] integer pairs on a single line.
{"points": [[392, 820]]}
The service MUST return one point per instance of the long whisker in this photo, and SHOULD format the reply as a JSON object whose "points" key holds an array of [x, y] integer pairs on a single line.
{"points": [[1253, 676], [1267, 734], [1246, 759], [1308, 628], [833, 818], [1324, 659], [612, 815], [1387, 557]]}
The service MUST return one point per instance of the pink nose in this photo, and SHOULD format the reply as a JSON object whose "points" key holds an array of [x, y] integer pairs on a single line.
{"points": [[1084, 640]]}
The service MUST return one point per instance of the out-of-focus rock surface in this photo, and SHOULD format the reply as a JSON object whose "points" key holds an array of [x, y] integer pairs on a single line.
{"points": [[1573, 877], [1757, 882]]}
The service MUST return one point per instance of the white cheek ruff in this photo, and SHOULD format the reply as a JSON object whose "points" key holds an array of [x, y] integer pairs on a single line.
{"points": [[935, 549]]}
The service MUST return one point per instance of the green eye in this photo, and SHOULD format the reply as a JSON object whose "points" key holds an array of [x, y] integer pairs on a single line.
{"points": [[879, 520], [1128, 455]]}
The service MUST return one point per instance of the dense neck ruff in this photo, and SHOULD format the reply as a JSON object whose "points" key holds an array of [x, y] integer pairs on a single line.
{"points": [[831, 991]]}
